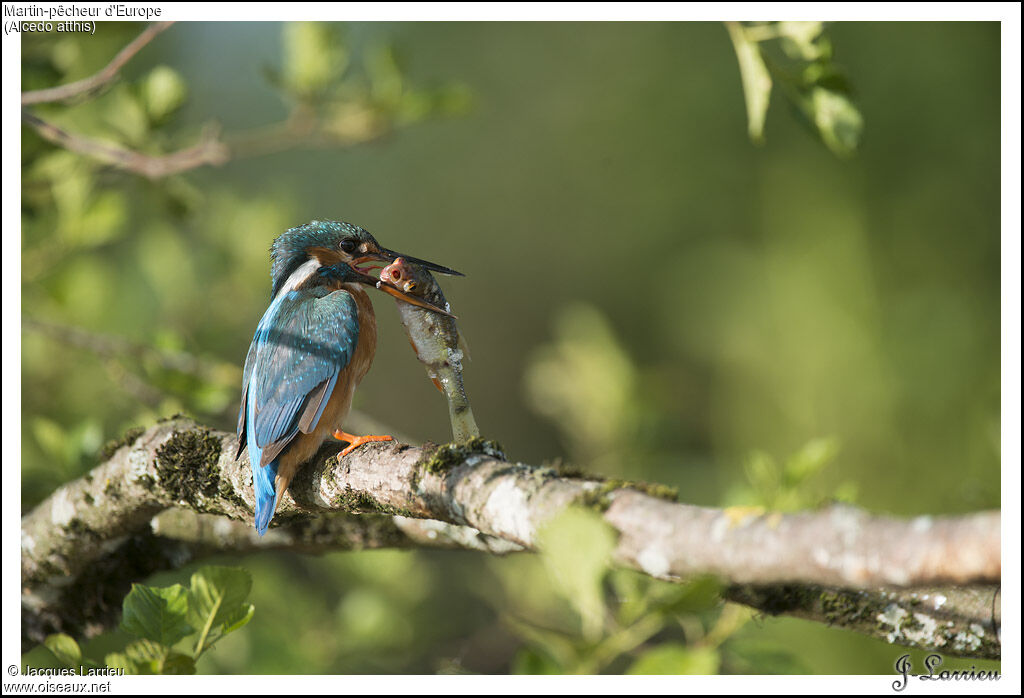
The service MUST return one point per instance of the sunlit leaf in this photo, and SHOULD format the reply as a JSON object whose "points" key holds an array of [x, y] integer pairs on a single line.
{"points": [[314, 56], [810, 460], [757, 82], [65, 649], [216, 595], [672, 658], [528, 661], [157, 613], [699, 594], [102, 221], [238, 620], [576, 547], [147, 652], [585, 382], [799, 39], [66, 55], [164, 91], [838, 121], [128, 116], [139, 657], [119, 660]]}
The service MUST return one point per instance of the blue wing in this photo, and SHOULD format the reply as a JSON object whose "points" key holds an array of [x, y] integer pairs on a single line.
{"points": [[301, 345]]}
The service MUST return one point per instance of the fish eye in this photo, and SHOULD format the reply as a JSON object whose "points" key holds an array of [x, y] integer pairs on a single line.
{"points": [[348, 245], [411, 286]]}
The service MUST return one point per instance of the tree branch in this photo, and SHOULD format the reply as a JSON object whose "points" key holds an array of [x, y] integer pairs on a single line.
{"points": [[94, 83], [303, 127], [826, 556], [209, 151]]}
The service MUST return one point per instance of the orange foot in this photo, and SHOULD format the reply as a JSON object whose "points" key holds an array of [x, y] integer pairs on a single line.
{"points": [[355, 442]]}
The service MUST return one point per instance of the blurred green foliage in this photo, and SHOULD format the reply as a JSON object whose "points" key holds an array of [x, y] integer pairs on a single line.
{"points": [[647, 296], [811, 81], [576, 615], [168, 628]]}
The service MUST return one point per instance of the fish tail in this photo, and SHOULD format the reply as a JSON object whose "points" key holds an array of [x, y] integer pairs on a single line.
{"points": [[463, 424], [461, 414]]}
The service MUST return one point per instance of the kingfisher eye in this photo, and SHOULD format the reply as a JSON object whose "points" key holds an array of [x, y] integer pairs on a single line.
{"points": [[348, 246]]}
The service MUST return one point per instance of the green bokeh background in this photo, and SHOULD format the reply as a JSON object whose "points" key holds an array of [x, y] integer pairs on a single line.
{"points": [[600, 193]]}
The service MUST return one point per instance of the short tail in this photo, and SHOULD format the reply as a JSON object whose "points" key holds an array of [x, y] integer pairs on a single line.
{"points": [[263, 481]]}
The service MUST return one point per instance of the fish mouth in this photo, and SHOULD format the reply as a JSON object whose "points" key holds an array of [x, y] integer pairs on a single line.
{"points": [[403, 296], [398, 293]]}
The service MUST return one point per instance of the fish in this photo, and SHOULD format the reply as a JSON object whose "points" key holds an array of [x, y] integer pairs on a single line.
{"points": [[435, 338]]}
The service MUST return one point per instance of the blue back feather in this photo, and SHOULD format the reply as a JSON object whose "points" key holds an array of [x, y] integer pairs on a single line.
{"points": [[306, 337]]}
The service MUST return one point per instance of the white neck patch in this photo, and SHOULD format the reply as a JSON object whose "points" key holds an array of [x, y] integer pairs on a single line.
{"points": [[296, 278]]}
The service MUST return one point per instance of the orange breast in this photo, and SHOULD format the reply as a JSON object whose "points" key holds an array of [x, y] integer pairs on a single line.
{"points": [[335, 412]]}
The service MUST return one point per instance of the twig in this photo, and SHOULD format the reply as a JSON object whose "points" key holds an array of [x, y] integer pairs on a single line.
{"points": [[302, 127], [180, 464], [209, 151], [94, 83], [293, 132]]}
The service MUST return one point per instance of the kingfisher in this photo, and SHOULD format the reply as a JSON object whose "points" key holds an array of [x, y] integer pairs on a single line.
{"points": [[312, 347]]}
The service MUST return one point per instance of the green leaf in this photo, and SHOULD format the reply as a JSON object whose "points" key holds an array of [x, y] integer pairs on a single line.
{"points": [[139, 657], [576, 547], [699, 594], [65, 649], [147, 652], [810, 460], [157, 613], [119, 660], [163, 92], [241, 618], [799, 39], [529, 661], [178, 663], [314, 56], [838, 121], [757, 82], [148, 657], [672, 658], [127, 115], [586, 382], [216, 596]]}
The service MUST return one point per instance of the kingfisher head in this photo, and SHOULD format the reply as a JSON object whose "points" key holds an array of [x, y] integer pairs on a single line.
{"points": [[338, 250]]}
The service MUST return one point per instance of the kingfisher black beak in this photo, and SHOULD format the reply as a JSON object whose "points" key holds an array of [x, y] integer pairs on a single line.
{"points": [[391, 256]]}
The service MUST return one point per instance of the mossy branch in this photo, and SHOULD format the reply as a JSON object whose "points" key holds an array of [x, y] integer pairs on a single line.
{"points": [[176, 493]]}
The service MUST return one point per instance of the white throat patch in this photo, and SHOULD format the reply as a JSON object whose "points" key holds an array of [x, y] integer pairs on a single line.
{"points": [[296, 278]]}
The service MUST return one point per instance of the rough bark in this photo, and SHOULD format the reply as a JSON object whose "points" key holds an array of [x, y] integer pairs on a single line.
{"points": [[838, 565]]}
